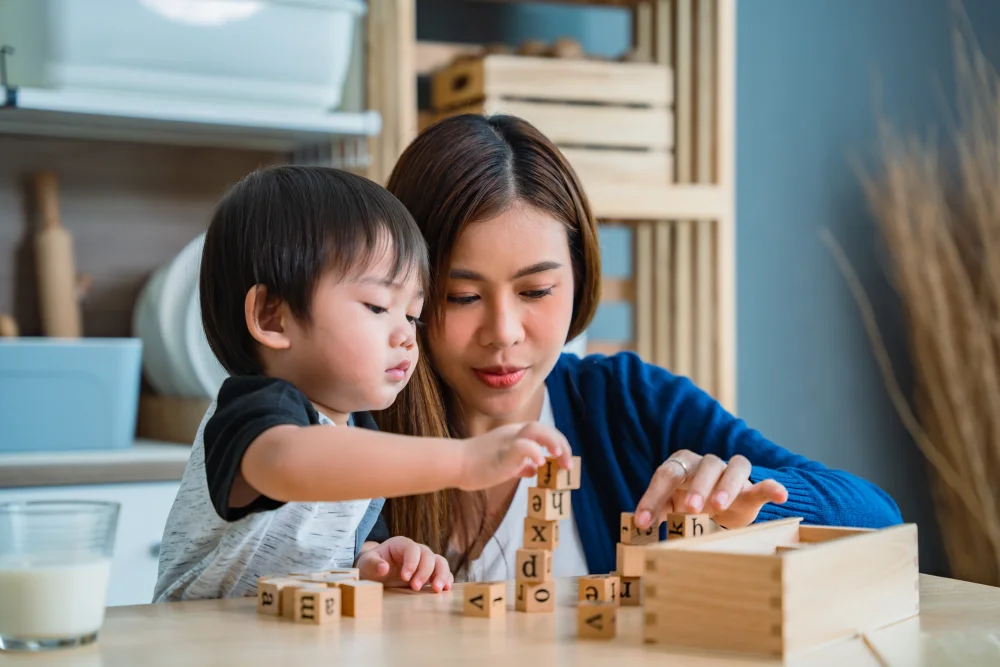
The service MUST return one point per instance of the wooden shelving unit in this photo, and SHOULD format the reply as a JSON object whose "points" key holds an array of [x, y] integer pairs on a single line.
{"points": [[683, 283]]}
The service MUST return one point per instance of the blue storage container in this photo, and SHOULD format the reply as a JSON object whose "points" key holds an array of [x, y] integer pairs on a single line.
{"points": [[68, 394]]}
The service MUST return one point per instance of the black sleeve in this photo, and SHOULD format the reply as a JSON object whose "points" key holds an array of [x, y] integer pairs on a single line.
{"points": [[246, 407]]}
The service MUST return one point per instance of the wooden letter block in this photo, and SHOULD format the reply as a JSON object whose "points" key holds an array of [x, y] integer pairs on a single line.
{"points": [[596, 620], [540, 534], [687, 525], [269, 595], [631, 560], [534, 565], [630, 594], [535, 597], [632, 534], [361, 599], [330, 578], [551, 476], [486, 599], [316, 604], [548, 504], [599, 588]]}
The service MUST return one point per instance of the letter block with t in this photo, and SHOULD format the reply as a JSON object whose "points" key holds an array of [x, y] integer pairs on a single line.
{"points": [[687, 525], [632, 534], [534, 565], [541, 534], [548, 504], [551, 476], [596, 620], [599, 588], [486, 599]]}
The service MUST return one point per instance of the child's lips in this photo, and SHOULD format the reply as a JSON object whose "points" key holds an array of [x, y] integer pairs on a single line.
{"points": [[398, 372]]}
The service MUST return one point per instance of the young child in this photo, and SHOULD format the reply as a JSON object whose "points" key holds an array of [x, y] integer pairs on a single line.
{"points": [[311, 285]]}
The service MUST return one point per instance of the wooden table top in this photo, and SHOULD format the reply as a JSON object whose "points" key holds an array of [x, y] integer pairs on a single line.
{"points": [[959, 624]]}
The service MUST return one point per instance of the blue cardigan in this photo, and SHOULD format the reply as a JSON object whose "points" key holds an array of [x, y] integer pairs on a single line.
{"points": [[624, 417]]}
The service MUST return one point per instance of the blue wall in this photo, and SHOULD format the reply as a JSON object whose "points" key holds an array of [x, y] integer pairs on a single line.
{"points": [[805, 79]]}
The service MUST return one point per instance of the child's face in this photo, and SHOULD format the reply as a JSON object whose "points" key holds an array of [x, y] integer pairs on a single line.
{"points": [[360, 349]]}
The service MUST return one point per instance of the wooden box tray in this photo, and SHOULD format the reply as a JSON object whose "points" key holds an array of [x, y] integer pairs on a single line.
{"points": [[778, 588], [612, 120]]}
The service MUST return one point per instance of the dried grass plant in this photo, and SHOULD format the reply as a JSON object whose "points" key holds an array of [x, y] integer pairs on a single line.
{"points": [[937, 206]]}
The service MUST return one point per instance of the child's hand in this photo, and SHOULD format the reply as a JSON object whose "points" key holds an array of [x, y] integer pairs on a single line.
{"points": [[514, 450], [399, 561], [689, 482]]}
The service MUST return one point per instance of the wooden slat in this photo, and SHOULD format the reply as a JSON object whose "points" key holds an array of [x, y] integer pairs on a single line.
{"points": [[663, 260], [566, 125], [641, 202], [434, 56], [617, 289], [392, 81], [653, 168], [725, 241], [565, 80], [704, 157], [642, 272]]}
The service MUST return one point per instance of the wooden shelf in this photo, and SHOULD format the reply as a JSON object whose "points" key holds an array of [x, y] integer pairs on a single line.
{"points": [[147, 118]]}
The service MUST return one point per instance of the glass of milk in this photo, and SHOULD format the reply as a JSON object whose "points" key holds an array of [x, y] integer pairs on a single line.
{"points": [[55, 559]]}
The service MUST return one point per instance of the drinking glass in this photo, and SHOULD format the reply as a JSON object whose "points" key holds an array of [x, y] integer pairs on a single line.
{"points": [[55, 561]]}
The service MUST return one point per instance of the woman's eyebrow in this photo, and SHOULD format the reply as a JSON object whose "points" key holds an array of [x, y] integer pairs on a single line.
{"points": [[539, 267]]}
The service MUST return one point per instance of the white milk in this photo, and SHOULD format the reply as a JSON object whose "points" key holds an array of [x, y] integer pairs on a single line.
{"points": [[52, 601]]}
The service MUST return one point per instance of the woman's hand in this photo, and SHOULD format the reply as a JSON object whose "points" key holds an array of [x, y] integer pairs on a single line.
{"points": [[691, 483], [513, 450], [399, 562]]}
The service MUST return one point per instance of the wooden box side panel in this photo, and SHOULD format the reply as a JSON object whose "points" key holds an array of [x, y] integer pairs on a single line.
{"points": [[713, 601], [759, 538], [553, 79], [850, 585], [813, 534]]}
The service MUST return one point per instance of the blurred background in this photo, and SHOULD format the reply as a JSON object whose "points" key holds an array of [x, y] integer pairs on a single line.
{"points": [[719, 141]]}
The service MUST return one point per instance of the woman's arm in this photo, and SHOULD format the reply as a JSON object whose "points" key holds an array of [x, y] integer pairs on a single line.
{"points": [[677, 415]]}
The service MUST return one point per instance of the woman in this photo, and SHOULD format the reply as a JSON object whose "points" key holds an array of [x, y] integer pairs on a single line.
{"points": [[516, 273]]}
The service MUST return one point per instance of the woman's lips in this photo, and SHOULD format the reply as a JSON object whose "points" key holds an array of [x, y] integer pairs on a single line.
{"points": [[498, 377]]}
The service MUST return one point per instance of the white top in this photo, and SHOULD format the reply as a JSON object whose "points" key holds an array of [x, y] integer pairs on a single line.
{"points": [[203, 556], [498, 559]]}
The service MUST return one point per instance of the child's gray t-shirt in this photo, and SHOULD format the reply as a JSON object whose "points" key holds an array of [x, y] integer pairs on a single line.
{"points": [[212, 550]]}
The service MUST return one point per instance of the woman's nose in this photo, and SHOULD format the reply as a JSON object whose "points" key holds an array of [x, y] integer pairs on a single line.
{"points": [[503, 327]]}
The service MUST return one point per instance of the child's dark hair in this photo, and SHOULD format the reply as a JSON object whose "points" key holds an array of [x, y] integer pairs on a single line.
{"points": [[283, 227]]}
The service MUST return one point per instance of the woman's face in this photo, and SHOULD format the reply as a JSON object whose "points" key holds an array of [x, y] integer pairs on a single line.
{"points": [[509, 294]]}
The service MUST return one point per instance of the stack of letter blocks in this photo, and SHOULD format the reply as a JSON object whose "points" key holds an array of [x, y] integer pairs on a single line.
{"points": [[320, 597], [534, 590], [601, 595]]}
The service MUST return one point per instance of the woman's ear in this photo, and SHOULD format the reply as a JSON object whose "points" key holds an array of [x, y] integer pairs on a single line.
{"points": [[267, 318]]}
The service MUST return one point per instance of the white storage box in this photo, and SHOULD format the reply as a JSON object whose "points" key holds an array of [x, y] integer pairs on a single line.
{"points": [[289, 52]]}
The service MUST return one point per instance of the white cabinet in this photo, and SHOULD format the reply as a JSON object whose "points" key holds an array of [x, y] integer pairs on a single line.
{"points": [[144, 509]]}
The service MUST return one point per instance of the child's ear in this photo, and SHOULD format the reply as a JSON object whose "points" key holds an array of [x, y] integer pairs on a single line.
{"points": [[267, 318]]}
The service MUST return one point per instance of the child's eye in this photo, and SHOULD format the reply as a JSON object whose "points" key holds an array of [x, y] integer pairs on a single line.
{"points": [[537, 293], [415, 320], [462, 300], [378, 310]]}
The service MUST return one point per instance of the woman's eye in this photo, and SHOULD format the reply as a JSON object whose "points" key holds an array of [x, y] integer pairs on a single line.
{"points": [[462, 300], [537, 293], [378, 310]]}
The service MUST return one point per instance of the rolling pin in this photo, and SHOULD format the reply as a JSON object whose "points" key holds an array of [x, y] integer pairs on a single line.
{"points": [[59, 304]]}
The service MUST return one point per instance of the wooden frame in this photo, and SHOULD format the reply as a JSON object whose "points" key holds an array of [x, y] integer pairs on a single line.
{"points": [[778, 588], [683, 283]]}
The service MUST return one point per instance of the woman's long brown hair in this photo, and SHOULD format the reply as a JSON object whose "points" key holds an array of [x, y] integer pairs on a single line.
{"points": [[465, 169]]}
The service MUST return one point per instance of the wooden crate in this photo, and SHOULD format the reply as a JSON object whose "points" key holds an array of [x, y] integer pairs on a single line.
{"points": [[737, 591], [612, 120]]}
